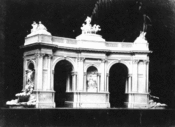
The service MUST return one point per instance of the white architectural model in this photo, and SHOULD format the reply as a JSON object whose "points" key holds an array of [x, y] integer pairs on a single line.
{"points": [[77, 72]]}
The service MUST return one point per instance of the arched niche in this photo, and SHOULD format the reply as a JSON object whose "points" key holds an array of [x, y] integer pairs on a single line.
{"points": [[30, 73], [92, 79]]}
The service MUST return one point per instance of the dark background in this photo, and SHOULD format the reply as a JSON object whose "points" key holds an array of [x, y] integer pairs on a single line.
{"points": [[120, 20]]}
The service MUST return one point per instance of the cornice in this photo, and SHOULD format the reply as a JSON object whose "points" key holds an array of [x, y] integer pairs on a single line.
{"points": [[80, 49]]}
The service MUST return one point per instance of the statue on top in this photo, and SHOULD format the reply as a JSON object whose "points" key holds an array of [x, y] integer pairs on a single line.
{"points": [[34, 25], [41, 26], [88, 28], [38, 29]]}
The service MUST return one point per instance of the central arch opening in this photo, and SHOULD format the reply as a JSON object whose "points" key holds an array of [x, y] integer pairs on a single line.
{"points": [[117, 80], [62, 81]]}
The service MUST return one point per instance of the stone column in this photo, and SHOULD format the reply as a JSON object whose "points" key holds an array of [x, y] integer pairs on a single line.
{"points": [[135, 76], [68, 84], [127, 84], [52, 79], [49, 72], [98, 82], [80, 74], [74, 81], [144, 76], [130, 83], [147, 76], [39, 70], [105, 74], [107, 82], [84, 84]]}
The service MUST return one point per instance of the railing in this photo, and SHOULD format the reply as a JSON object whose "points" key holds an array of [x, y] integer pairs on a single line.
{"points": [[64, 40], [119, 44]]}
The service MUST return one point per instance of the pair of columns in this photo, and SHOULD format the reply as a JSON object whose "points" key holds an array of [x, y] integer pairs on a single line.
{"points": [[140, 76]]}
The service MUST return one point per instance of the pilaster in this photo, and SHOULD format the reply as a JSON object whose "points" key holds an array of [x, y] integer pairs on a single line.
{"points": [[84, 84], [39, 71], [80, 73], [49, 72], [135, 76]]}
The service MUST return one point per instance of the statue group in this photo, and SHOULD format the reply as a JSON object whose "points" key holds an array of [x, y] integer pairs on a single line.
{"points": [[25, 98], [88, 28]]}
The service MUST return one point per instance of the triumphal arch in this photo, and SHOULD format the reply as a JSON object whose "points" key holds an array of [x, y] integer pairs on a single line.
{"points": [[85, 72]]}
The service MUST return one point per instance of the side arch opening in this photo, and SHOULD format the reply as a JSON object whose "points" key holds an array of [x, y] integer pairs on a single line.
{"points": [[62, 81], [118, 74]]}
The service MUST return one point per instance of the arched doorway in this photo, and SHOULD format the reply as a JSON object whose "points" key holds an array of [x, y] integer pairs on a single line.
{"points": [[117, 80], [62, 81]]}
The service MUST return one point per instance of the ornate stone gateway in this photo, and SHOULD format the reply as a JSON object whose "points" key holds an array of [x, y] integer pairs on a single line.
{"points": [[86, 72]]}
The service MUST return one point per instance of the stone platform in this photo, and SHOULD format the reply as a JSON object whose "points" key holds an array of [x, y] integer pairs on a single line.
{"points": [[86, 117]]}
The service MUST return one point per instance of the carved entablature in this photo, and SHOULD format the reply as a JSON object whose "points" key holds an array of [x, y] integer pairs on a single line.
{"points": [[144, 61]]}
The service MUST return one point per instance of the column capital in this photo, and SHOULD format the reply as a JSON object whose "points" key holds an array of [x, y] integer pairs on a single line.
{"points": [[135, 61], [98, 74], [37, 55], [85, 73], [107, 74], [80, 59], [50, 56], [129, 75], [147, 61], [74, 73], [104, 60]]}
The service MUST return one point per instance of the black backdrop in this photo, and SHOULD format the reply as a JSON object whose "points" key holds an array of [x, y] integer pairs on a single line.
{"points": [[120, 21]]}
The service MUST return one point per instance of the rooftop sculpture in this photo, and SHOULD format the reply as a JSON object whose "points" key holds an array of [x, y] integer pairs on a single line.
{"points": [[38, 29], [88, 28]]}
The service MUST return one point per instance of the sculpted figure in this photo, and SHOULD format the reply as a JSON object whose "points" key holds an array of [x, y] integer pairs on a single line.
{"points": [[41, 26], [29, 76], [142, 35], [34, 25], [38, 29], [91, 82], [26, 97], [87, 28], [29, 85], [96, 28], [88, 20]]}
